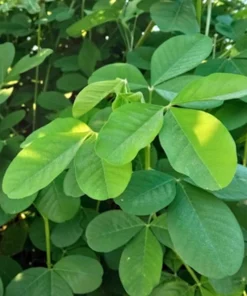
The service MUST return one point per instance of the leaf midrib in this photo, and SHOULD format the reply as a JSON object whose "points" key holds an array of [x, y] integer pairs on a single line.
{"points": [[27, 180], [202, 226], [136, 131], [194, 149]]}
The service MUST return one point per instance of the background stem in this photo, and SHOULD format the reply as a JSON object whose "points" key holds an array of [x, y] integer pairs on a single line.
{"points": [[146, 33], [209, 13], [47, 242], [147, 152], [198, 6], [36, 86]]}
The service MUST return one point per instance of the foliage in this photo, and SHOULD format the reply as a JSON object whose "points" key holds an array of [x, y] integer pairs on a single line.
{"points": [[123, 148]]}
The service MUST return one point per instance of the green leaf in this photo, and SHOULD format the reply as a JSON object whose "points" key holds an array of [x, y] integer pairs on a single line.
{"points": [[174, 288], [98, 120], [52, 100], [129, 72], [141, 57], [236, 190], [92, 20], [1, 288], [119, 143], [9, 268], [200, 234], [67, 233], [70, 185], [88, 57], [173, 262], [160, 229], [83, 274], [12, 119], [226, 114], [29, 62], [111, 230], [4, 218], [54, 204], [143, 257], [13, 206], [58, 126], [14, 238], [5, 94], [232, 285], [36, 282], [217, 86], [97, 178], [71, 82], [170, 89], [112, 259], [37, 234], [175, 16], [7, 54], [178, 55], [92, 94], [43, 161], [147, 193], [67, 63], [126, 98], [198, 153]]}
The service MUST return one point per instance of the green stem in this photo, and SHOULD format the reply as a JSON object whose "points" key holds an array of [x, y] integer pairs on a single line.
{"points": [[133, 33], [123, 35], [244, 293], [82, 8], [97, 206], [147, 31], [12, 129], [198, 6], [36, 87], [47, 77], [147, 152], [47, 242], [193, 275], [209, 13], [224, 54], [150, 90], [214, 46], [48, 71]]}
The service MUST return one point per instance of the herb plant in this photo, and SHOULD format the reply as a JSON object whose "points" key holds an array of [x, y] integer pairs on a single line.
{"points": [[123, 148]]}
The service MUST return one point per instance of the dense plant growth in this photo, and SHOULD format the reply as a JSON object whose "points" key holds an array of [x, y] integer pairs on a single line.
{"points": [[123, 138]]}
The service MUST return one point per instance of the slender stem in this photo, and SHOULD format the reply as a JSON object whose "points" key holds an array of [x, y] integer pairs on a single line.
{"points": [[147, 31], [123, 36], [147, 152], [244, 293], [97, 206], [193, 275], [224, 54], [150, 90], [12, 129], [47, 77], [245, 153], [47, 242], [36, 87], [133, 33], [214, 45], [82, 8], [209, 13], [198, 5]]}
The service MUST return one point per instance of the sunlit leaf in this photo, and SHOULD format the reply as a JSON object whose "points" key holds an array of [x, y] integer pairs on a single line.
{"points": [[194, 142], [119, 143]]}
